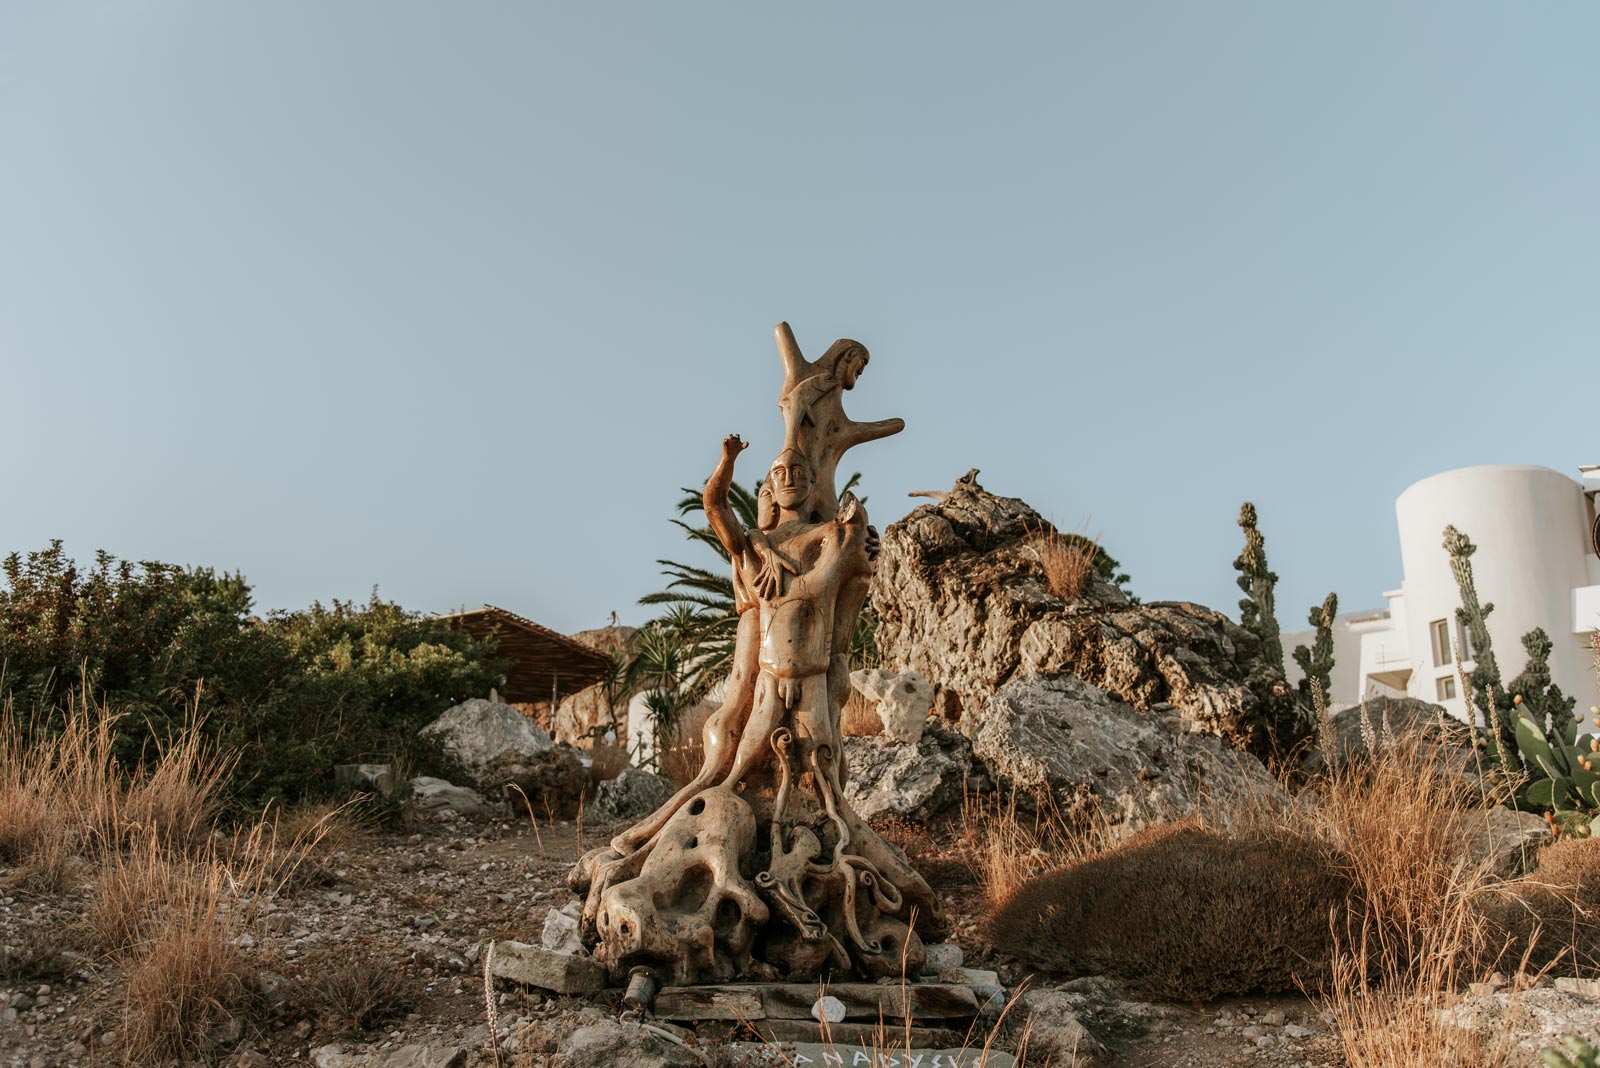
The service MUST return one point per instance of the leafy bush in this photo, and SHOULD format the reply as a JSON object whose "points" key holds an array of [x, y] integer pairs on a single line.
{"points": [[291, 695]]}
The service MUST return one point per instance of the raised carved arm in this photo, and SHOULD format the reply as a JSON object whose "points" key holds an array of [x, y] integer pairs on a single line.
{"points": [[724, 524]]}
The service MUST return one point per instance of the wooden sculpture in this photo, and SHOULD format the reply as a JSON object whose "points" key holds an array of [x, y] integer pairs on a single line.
{"points": [[759, 868]]}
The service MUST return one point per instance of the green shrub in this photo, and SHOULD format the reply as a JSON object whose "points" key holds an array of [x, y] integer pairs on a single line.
{"points": [[292, 694]]}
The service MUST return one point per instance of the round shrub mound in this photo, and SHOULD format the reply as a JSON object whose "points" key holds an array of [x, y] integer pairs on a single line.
{"points": [[1184, 913], [1551, 916]]}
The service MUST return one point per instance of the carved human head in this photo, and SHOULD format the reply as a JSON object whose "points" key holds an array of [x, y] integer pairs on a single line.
{"points": [[790, 479], [766, 507], [846, 359]]}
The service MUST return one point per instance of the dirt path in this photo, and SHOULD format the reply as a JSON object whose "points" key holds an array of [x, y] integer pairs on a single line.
{"points": [[419, 906]]}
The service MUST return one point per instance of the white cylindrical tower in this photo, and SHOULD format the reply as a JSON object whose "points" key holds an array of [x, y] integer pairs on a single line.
{"points": [[1530, 526]]}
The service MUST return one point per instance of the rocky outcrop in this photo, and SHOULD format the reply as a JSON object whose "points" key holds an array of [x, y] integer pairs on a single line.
{"points": [[551, 782], [1058, 737], [922, 780], [481, 734], [630, 796], [578, 716], [962, 598]]}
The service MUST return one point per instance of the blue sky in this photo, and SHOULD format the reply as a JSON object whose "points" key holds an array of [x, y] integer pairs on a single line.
{"points": [[452, 298]]}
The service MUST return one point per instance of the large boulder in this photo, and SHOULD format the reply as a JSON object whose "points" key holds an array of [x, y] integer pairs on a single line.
{"points": [[963, 599], [480, 733], [920, 781], [1062, 739], [577, 716]]}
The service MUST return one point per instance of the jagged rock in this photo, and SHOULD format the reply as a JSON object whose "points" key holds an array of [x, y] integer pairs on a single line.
{"points": [[921, 781], [1511, 838], [1391, 718], [614, 1042], [478, 733], [438, 796], [562, 932], [962, 599], [1055, 1034], [591, 707], [1060, 737], [903, 700], [553, 781], [632, 795], [564, 973], [410, 1056], [1529, 1020]]}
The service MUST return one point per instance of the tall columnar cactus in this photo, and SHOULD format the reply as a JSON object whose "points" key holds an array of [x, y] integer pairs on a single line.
{"points": [[1474, 618], [1316, 663], [1541, 698], [1256, 609]]}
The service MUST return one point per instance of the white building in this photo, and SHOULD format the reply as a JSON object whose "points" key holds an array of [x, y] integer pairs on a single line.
{"points": [[1535, 533]]}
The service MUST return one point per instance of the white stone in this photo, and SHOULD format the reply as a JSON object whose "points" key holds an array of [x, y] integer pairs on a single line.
{"points": [[828, 1009], [441, 797], [942, 956], [561, 934], [902, 700]]}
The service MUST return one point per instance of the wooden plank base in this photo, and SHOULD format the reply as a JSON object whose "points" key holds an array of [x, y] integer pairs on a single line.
{"points": [[867, 1002]]}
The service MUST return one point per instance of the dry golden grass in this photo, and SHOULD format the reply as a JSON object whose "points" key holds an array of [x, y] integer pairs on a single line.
{"points": [[608, 761], [1006, 847], [1067, 559], [170, 901], [859, 718], [683, 750], [1183, 912], [1424, 916], [63, 790]]}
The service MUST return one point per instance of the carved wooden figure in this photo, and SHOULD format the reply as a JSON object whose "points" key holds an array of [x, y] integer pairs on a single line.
{"points": [[759, 868]]}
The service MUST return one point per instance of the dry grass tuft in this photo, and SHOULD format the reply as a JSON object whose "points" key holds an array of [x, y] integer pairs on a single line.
{"points": [[1551, 916], [62, 787], [1067, 559], [607, 762], [356, 988], [683, 750], [860, 717], [1006, 847], [170, 901], [36, 955]]}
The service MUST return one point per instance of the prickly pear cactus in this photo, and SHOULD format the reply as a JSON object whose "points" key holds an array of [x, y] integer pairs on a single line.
{"points": [[1571, 766]]}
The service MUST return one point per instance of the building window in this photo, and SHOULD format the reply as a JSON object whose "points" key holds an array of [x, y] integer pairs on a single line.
{"points": [[1464, 640], [1439, 631], [1446, 688]]}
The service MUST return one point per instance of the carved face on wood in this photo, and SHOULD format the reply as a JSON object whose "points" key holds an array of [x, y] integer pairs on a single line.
{"points": [[790, 478]]}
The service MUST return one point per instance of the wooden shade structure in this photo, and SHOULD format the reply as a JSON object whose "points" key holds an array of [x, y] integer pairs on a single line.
{"points": [[541, 663]]}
